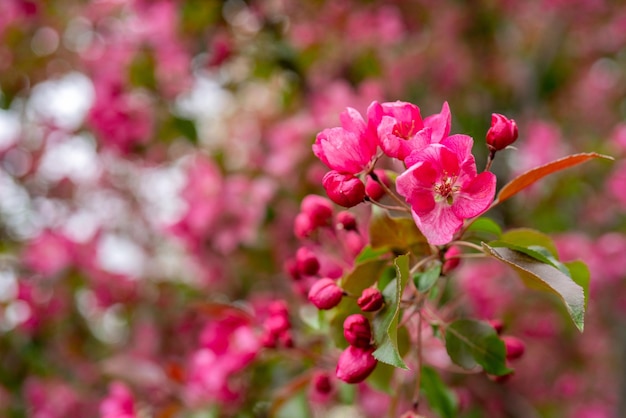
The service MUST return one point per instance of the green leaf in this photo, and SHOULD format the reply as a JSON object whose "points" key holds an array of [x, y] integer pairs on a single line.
{"points": [[526, 237], [369, 254], [579, 272], [385, 322], [363, 276], [541, 276], [187, 127], [425, 280], [470, 343], [535, 251], [440, 398], [395, 234], [485, 227], [380, 379], [526, 179]]}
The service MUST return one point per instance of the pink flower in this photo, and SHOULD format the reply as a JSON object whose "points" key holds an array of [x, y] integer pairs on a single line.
{"points": [[349, 148], [443, 189], [118, 403], [401, 129], [357, 331]]}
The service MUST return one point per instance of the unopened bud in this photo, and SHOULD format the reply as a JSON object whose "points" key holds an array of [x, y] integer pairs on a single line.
{"points": [[514, 347], [451, 259], [322, 383], [373, 188], [344, 189], [371, 300], [497, 324], [303, 226], [503, 132], [355, 364], [325, 294], [307, 262], [356, 329], [318, 209], [346, 221]]}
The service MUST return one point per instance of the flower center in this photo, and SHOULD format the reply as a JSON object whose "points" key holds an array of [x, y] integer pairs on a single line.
{"points": [[446, 189], [404, 130]]}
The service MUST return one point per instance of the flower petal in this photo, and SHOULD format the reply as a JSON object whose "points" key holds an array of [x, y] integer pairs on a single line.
{"points": [[439, 123], [475, 196], [439, 225]]}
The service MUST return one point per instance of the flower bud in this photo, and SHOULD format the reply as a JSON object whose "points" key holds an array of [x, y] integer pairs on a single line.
{"points": [[503, 132], [497, 324], [514, 347], [325, 294], [356, 329], [321, 383], [346, 221], [371, 300], [451, 259], [318, 209], [303, 226], [373, 188], [344, 189], [307, 262], [355, 364]]}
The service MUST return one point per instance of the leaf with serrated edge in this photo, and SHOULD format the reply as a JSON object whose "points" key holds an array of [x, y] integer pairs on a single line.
{"points": [[363, 276], [385, 322], [526, 179], [581, 275], [542, 276], [470, 343]]}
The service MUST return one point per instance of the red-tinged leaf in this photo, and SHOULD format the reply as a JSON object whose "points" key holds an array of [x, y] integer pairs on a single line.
{"points": [[524, 180]]}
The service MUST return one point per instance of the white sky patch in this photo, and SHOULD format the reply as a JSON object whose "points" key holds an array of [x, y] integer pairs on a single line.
{"points": [[119, 255], [74, 158], [10, 129], [64, 102], [8, 285]]}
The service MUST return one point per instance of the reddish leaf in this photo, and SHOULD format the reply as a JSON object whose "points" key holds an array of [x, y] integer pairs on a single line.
{"points": [[524, 180]]}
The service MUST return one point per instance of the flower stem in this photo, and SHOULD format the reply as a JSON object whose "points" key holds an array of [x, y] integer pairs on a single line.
{"points": [[388, 207], [388, 190]]}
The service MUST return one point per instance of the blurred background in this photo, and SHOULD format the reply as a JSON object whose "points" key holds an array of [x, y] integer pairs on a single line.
{"points": [[153, 156]]}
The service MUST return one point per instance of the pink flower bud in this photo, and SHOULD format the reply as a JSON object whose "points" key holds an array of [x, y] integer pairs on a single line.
{"points": [[355, 364], [303, 226], [451, 259], [325, 294], [318, 209], [321, 383], [371, 300], [291, 267], [503, 132], [344, 189], [346, 221], [373, 188], [514, 347], [307, 262], [356, 329], [497, 324]]}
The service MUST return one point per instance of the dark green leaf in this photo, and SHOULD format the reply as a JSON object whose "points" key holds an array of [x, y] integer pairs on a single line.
{"points": [[545, 277], [385, 322], [535, 251], [425, 280], [470, 343], [186, 127], [440, 398]]}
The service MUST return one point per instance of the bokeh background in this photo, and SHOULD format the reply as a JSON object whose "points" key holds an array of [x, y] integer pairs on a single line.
{"points": [[153, 156]]}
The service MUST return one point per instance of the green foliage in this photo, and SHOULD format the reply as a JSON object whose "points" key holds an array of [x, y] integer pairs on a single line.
{"points": [[539, 275], [395, 234], [440, 398], [385, 322], [471, 343], [426, 280], [484, 228]]}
